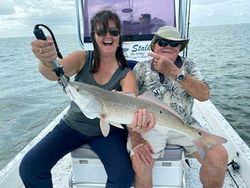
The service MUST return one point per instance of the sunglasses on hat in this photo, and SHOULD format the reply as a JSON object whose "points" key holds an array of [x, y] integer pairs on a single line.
{"points": [[112, 31], [164, 43]]}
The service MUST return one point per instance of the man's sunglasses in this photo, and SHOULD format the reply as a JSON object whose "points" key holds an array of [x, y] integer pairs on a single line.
{"points": [[112, 31], [164, 43]]}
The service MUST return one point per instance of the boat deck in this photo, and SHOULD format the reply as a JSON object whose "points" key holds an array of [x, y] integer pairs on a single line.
{"points": [[61, 172]]}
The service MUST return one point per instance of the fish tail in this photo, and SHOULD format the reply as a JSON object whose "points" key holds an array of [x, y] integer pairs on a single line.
{"points": [[207, 141]]}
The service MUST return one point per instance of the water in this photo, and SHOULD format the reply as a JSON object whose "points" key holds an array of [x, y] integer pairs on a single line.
{"points": [[223, 55], [28, 102]]}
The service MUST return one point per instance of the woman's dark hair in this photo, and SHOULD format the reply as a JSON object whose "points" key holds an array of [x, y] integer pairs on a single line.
{"points": [[103, 18]]}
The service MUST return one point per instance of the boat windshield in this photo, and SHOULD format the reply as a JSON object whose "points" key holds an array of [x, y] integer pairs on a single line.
{"points": [[140, 18]]}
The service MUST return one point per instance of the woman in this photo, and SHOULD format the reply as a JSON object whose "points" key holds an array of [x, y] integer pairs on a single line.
{"points": [[105, 67]]}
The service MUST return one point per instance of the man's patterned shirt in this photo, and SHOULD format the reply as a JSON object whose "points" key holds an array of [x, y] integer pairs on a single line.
{"points": [[169, 91]]}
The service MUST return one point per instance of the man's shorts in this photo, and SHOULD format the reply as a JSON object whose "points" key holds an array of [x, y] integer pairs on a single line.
{"points": [[159, 138]]}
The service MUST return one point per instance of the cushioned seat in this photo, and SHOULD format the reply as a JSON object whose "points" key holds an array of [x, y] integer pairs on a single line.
{"points": [[88, 171], [172, 153]]}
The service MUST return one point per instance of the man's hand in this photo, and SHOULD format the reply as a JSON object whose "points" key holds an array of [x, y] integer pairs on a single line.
{"points": [[164, 65], [143, 121]]}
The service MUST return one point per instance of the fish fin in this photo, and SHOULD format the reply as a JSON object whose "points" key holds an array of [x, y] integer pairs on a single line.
{"points": [[118, 125], [207, 141], [104, 125], [148, 96]]}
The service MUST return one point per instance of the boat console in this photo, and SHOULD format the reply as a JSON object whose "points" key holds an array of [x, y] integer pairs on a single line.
{"points": [[140, 20]]}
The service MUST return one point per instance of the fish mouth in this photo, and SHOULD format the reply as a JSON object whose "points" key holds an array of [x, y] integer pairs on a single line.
{"points": [[69, 92]]}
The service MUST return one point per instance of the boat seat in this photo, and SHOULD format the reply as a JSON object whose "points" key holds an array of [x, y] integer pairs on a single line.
{"points": [[88, 171], [172, 153], [131, 63]]}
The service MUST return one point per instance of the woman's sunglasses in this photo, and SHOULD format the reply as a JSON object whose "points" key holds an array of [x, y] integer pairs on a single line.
{"points": [[164, 43], [112, 31]]}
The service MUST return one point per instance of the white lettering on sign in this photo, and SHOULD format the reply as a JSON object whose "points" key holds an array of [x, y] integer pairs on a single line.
{"points": [[137, 51]]}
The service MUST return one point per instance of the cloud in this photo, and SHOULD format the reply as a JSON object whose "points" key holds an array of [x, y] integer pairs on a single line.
{"points": [[6, 8], [219, 12], [22, 15], [18, 17]]}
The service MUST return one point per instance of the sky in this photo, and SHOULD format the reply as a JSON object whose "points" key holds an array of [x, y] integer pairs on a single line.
{"points": [[18, 17]]}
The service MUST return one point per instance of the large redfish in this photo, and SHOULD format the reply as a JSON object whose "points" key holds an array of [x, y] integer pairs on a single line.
{"points": [[116, 108]]}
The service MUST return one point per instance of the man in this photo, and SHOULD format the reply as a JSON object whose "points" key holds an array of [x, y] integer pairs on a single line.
{"points": [[177, 82]]}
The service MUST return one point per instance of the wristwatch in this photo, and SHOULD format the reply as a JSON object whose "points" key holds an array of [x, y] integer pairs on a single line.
{"points": [[181, 76]]}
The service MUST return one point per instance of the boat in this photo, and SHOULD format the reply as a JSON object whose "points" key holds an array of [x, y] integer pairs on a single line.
{"points": [[82, 168]]}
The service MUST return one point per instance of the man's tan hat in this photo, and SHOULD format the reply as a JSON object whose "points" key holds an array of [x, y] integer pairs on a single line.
{"points": [[169, 33]]}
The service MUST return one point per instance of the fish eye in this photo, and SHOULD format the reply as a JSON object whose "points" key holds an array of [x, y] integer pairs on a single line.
{"points": [[160, 112], [77, 89]]}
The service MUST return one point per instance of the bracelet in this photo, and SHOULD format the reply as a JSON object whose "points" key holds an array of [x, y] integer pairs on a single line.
{"points": [[139, 145]]}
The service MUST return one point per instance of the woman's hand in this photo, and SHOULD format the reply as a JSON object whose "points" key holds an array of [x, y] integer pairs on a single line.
{"points": [[141, 149], [143, 153], [44, 50], [143, 121]]}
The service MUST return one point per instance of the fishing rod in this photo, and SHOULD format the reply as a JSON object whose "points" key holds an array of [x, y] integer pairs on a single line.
{"points": [[57, 68]]}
